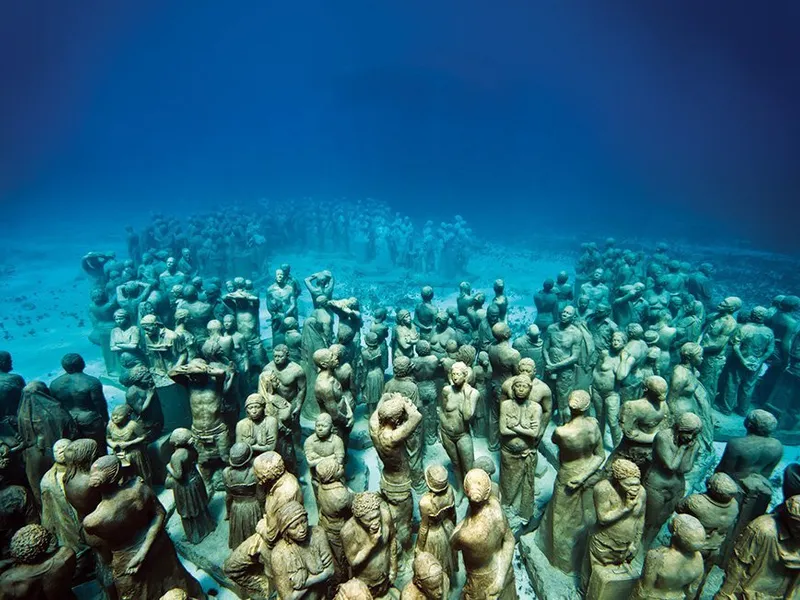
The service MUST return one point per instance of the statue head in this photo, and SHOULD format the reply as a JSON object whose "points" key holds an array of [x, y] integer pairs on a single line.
{"points": [[323, 426], [499, 286], [379, 314], [81, 453], [429, 576], [758, 314], [729, 305], [722, 488], [181, 437], [121, 318], [527, 366], [254, 406], [597, 276], [562, 277], [760, 422], [602, 311], [618, 341], [579, 402], [280, 277], [656, 387], [323, 359], [548, 285], [451, 347], [189, 293], [459, 374], [280, 355], [501, 331], [290, 324], [240, 454], [104, 472], [181, 316], [287, 269], [121, 414], [98, 296], [521, 387], [687, 428], [567, 315], [403, 317], [150, 324], [789, 304], [329, 469], [172, 266], [31, 544], [462, 324], [268, 467], [627, 477], [436, 479], [687, 532], [214, 328], [423, 347], [293, 521], [392, 410], [465, 288], [692, 354], [442, 319], [706, 269], [533, 333], [73, 363], [790, 515], [426, 293], [366, 508], [353, 589], [477, 486], [402, 366], [486, 464], [60, 448], [634, 331]]}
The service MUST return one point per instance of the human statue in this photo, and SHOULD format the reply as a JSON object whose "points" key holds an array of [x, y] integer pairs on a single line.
{"points": [[130, 523], [320, 284], [443, 333], [353, 589], [717, 510], [58, 515], [674, 453], [674, 571], [531, 345], [162, 348], [249, 564], [41, 422], [500, 299], [333, 504], [425, 313], [540, 393], [171, 275], [206, 386], [345, 374], [750, 460], [486, 543], [504, 361], [631, 358], [281, 303], [403, 383], [245, 307], [465, 299], [752, 344], [629, 305], [302, 562], [619, 503], [374, 372], [243, 507], [185, 262], [601, 326], [570, 512], [700, 285], [200, 313], [405, 335], [715, 342], [142, 397], [329, 394], [11, 386], [390, 428], [348, 333], [381, 329], [546, 302], [764, 563], [456, 409], [188, 488], [437, 520], [126, 438], [482, 374], [323, 444], [258, 429], [186, 338], [688, 394], [124, 337], [291, 384], [82, 396], [595, 289], [605, 387], [41, 568], [520, 433], [369, 543], [562, 351], [293, 338], [483, 335], [317, 335], [564, 290], [429, 580], [101, 315]]}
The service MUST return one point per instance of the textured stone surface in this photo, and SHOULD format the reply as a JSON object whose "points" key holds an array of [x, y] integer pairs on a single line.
{"points": [[547, 581]]}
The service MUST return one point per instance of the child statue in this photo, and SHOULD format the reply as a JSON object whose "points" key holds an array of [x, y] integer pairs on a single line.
{"points": [[127, 439]]}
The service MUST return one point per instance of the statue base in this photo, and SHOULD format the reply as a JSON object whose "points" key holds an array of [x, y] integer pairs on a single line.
{"points": [[612, 583], [547, 581]]}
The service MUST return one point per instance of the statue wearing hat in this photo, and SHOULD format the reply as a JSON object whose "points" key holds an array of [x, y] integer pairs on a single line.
{"points": [[437, 511]]}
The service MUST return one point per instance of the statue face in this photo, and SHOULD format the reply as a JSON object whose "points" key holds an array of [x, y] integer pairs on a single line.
{"points": [[458, 377], [597, 276], [150, 328], [686, 437], [406, 320], [432, 586], [371, 521], [119, 419], [280, 277], [171, 263], [255, 411], [631, 486], [617, 341], [228, 322], [323, 428], [522, 389], [298, 531], [121, 320], [281, 357], [58, 453], [567, 315]]}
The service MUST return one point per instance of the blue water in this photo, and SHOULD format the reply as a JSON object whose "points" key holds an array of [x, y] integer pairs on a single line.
{"points": [[659, 118]]}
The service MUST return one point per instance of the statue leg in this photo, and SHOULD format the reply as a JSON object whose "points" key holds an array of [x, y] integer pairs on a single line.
{"points": [[466, 453], [612, 417], [599, 412], [731, 382], [746, 391]]}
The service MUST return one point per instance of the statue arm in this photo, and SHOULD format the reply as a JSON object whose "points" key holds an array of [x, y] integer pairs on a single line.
{"points": [[470, 403], [411, 423], [271, 436], [625, 365], [607, 512], [505, 429], [424, 526], [505, 556], [653, 564], [338, 450], [155, 527], [297, 401], [665, 453]]}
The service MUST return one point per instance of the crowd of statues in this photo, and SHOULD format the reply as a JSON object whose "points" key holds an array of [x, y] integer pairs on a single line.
{"points": [[619, 376]]}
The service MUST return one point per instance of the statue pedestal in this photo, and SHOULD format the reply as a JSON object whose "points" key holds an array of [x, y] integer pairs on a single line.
{"points": [[547, 581], [611, 583]]}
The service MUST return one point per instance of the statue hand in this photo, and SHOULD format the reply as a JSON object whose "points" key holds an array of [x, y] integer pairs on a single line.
{"points": [[134, 565]]}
